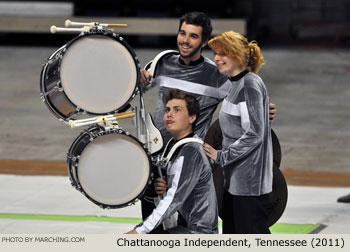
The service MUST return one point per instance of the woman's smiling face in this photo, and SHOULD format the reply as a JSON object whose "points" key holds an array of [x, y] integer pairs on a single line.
{"points": [[226, 65]]}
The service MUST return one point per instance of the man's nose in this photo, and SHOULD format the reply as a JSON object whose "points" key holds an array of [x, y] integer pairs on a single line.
{"points": [[169, 113], [186, 38]]}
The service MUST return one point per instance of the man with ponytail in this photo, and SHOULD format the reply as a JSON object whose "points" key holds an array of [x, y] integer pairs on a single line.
{"points": [[246, 154]]}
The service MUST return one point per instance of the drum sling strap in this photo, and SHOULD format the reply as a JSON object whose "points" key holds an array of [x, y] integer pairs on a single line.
{"points": [[163, 162]]}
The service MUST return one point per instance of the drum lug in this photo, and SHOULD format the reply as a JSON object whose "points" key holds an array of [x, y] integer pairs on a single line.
{"points": [[72, 182], [60, 57], [138, 61], [80, 110], [75, 185], [137, 90], [50, 61], [42, 96], [92, 135], [73, 158], [57, 87], [107, 127], [114, 125]]}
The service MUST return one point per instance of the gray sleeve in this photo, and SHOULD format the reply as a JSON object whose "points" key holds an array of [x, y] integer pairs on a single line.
{"points": [[253, 122]]}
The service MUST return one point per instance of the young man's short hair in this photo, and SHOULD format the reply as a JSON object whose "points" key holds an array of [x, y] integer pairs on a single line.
{"points": [[199, 19], [191, 102]]}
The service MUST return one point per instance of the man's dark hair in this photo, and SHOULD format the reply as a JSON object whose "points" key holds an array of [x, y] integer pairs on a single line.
{"points": [[199, 19], [191, 102]]}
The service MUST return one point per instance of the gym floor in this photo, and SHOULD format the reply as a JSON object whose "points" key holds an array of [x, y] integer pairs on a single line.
{"points": [[310, 86]]}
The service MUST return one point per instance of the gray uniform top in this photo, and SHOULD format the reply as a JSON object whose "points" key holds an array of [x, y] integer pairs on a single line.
{"points": [[246, 154], [191, 192], [201, 79]]}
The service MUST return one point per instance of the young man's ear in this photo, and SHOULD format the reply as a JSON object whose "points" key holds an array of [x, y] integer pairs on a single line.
{"points": [[193, 118], [204, 44]]}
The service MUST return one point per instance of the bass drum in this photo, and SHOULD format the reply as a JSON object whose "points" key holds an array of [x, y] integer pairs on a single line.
{"points": [[95, 73], [278, 197], [111, 168]]}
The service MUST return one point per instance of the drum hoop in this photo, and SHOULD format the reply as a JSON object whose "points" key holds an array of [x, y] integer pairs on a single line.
{"points": [[71, 164], [116, 38], [59, 54]]}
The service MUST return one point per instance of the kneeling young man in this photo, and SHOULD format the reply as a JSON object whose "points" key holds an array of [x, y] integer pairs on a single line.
{"points": [[191, 190]]}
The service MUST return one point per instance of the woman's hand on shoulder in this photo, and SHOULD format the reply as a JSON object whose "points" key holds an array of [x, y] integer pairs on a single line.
{"points": [[210, 151]]}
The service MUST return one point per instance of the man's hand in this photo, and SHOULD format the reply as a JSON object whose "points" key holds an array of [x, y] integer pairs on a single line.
{"points": [[145, 78], [160, 186], [272, 111], [132, 232]]}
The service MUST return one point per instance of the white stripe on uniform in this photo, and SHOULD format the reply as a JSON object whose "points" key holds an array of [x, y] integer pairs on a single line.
{"points": [[150, 223]]}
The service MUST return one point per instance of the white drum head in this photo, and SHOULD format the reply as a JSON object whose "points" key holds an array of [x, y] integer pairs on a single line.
{"points": [[98, 74], [113, 169]]}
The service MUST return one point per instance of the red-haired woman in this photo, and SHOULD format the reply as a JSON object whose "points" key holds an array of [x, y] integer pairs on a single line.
{"points": [[246, 154]]}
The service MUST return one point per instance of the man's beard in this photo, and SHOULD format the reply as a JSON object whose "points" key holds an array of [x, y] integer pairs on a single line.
{"points": [[192, 53]]}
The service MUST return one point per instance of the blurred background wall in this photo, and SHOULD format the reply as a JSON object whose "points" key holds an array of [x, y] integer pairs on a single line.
{"points": [[268, 21]]}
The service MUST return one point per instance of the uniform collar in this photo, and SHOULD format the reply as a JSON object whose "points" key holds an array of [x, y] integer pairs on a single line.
{"points": [[238, 76], [192, 63], [189, 135]]}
